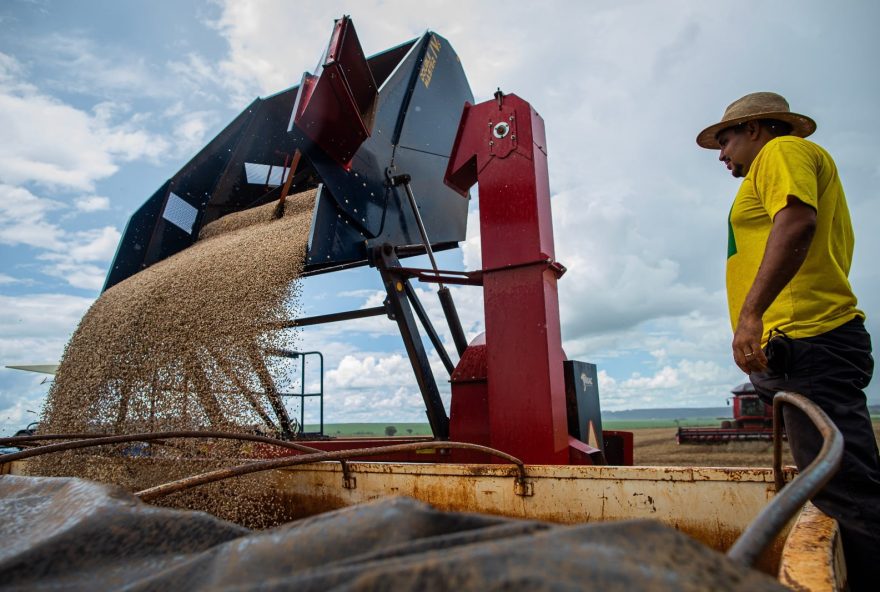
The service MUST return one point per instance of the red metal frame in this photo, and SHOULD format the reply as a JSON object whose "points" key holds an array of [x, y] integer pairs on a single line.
{"points": [[509, 392], [508, 389], [335, 107], [762, 419]]}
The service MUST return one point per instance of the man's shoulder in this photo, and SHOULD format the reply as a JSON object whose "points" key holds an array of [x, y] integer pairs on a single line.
{"points": [[793, 147], [793, 143]]}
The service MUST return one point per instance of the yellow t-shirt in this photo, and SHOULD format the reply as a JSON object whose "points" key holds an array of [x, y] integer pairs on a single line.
{"points": [[819, 297]]}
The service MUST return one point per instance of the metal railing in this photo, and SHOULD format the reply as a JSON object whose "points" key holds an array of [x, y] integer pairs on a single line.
{"points": [[302, 395], [790, 498], [310, 455]]}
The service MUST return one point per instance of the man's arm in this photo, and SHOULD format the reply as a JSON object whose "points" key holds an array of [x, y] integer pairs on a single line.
{"points": [[787, 246]]}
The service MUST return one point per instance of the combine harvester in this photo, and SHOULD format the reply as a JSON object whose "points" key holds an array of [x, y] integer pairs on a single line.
{"points": [[393, 156], [752, 420]]}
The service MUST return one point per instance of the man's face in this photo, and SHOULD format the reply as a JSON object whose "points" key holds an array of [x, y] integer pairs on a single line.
{"points": [[736, 150]]}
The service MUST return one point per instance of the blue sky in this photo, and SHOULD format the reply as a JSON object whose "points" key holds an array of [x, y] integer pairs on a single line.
{"points": [[101, 102]]}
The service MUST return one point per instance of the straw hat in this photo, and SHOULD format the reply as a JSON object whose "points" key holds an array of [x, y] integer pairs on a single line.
{"points": [[759, 105]]}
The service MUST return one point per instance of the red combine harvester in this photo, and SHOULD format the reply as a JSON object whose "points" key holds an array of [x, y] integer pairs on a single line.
{"points": [[752, 420]]}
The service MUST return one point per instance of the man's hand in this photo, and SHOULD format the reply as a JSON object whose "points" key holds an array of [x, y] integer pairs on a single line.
{"points": [[747, 350]]}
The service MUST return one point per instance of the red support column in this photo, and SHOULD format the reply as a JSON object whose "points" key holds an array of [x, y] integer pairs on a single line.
{"points": [[501, 144]]}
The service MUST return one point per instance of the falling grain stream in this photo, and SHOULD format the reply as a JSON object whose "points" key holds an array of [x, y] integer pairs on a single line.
{"points": [[179, 346]]}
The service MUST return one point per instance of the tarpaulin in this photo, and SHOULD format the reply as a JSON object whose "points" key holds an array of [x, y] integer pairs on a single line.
{"points": [[72, 534]]}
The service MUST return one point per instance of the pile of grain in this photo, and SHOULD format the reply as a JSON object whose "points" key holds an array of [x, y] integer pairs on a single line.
{"points": [[180, 346]]}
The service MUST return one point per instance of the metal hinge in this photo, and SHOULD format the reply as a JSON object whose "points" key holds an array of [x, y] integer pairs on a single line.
{"points": [[524, 488]]}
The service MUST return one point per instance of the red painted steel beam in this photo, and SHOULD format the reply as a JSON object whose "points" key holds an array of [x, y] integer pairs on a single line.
{"points": [[501, 144]]}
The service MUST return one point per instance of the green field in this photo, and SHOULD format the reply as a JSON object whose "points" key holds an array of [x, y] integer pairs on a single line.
{"points": [[636, 424], [354, 430]]}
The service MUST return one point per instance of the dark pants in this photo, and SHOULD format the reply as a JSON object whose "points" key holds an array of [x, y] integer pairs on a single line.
{"points": [[832, 370]]}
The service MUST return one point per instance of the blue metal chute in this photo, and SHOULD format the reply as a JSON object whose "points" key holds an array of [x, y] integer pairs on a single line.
{"points": [[355, 123]]}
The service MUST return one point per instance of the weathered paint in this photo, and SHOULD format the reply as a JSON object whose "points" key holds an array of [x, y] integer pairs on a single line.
{"points": [[565, 494], [713, 505], [813, 555]]}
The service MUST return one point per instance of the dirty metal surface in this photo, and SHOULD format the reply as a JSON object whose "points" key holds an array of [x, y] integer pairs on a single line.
{"points": [[81, 535], [813, 555], [713, 505]]}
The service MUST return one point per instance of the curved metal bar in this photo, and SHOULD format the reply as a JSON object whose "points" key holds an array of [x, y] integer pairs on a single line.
{"points": [[778, 476], [277, 463], [775, 515], [90, 440], [16, 440]]}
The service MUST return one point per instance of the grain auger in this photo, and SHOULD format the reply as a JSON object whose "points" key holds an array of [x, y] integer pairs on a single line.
{"points": [[383, 141]]}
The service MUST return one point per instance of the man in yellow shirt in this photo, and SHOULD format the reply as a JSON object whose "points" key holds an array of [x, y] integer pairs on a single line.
{"points": [[794, 315]]}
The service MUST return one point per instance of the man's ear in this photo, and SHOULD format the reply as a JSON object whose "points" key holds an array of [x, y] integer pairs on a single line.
{"points": [[752, 129]]}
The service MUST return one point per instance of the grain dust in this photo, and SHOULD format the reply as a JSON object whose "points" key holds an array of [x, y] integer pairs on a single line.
{"points": [[182, 346]]}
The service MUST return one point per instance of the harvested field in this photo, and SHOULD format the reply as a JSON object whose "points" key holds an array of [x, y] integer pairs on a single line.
{"points": [[657, 446]]}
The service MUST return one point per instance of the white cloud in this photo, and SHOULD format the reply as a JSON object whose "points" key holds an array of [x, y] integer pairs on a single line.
{"points": [[83, 276], [98, 244], [23, 219], [71, 255], [32, 151], [368, 372], [84, 66], [368, 294], [664, 379], [191, 131], [373, 387], [75, 263], [58, 146], [471, 248], [92, 203], [195, 74], [258, 40], [20, 407], [35, 327], [402, 404], [9, 68]]}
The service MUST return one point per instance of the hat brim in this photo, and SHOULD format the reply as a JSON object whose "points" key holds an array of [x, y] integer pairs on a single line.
{"points": [[801, 126]]}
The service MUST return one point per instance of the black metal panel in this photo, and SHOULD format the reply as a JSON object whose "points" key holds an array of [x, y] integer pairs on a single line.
{"points": [[384, 63], [358, 193], [366, 211], [411, 108], [356, 207], [130, 253], [198, 181], [148, 237], [262, 141], [437, 100], [333, 238], [582, 401], [397, 287], [443, 211]]}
